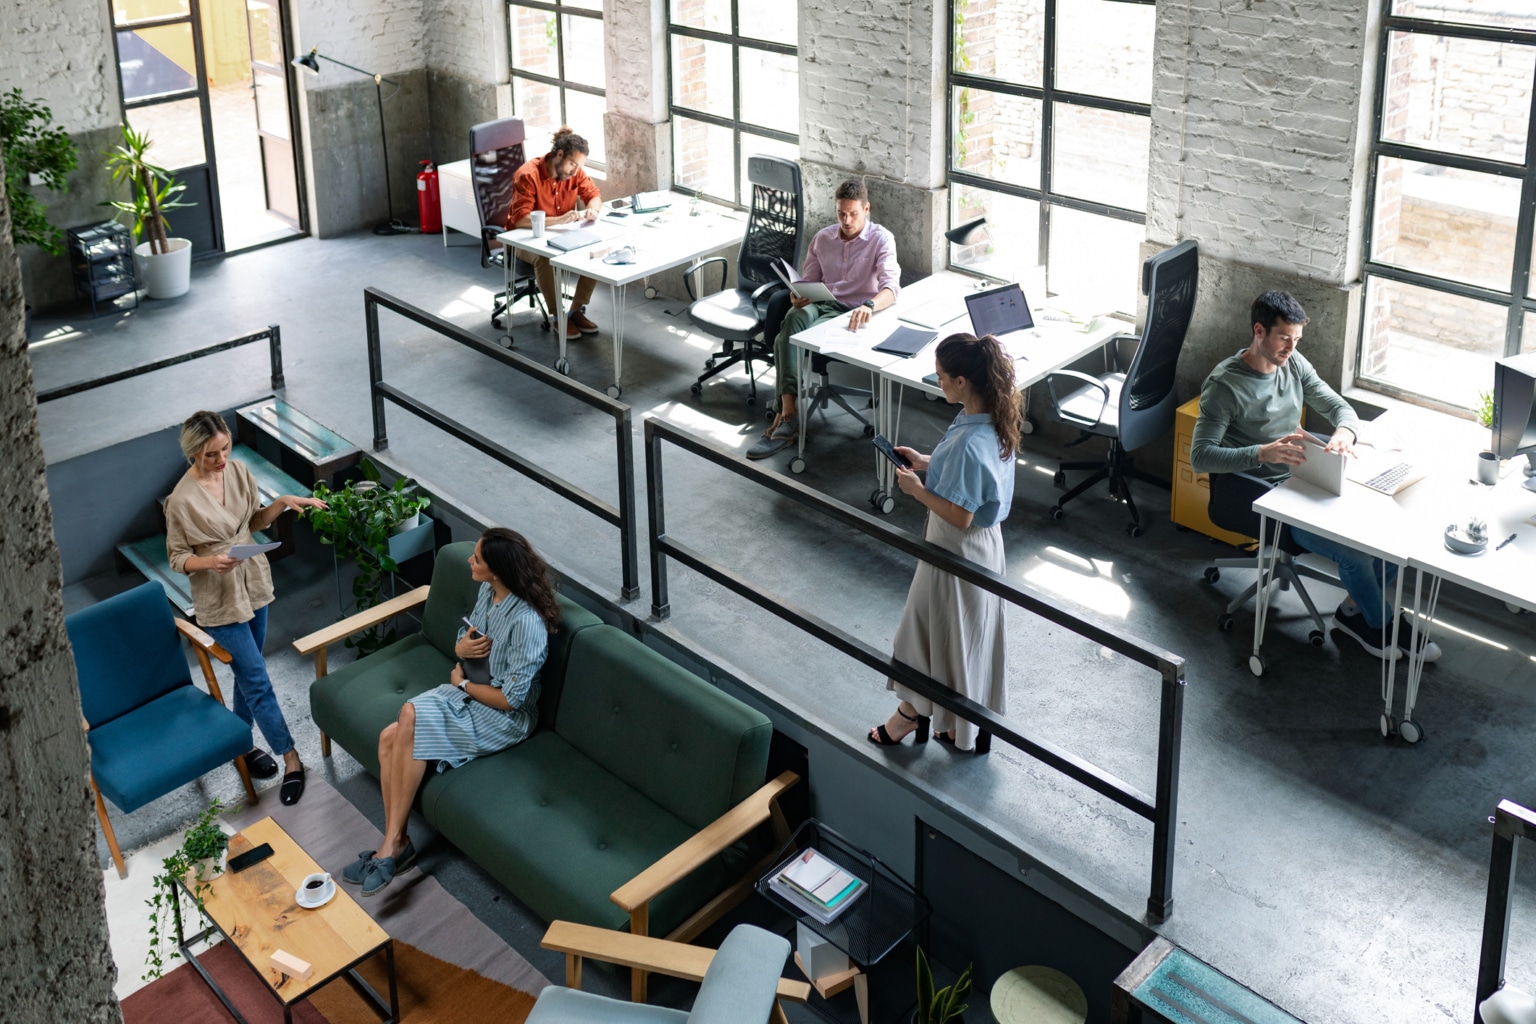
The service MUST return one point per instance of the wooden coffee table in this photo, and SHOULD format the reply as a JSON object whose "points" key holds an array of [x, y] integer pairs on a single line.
{"points": [[255, 912]]}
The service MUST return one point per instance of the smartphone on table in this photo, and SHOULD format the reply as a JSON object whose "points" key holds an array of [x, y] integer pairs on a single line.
{"points": [[889, 451]]}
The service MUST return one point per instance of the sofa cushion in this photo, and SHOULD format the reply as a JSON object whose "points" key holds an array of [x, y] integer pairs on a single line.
{"points": [[135, 759], [563, 833], [453, 596], [685, 745], [353, 704]]}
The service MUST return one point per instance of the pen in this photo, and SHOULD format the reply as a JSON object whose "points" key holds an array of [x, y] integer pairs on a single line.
{"points": [[1506, 540]]}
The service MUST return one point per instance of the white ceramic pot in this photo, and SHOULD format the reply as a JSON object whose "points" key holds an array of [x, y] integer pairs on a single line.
{"points": [[165, 275], [209, 868], [407, 524]]}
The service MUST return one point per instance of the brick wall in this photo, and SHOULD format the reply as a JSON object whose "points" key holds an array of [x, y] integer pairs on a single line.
{"points": [[60, 53], [462, 37], [381, 35]]}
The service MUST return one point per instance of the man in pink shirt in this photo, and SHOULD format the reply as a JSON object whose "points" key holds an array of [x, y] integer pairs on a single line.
{"points": [[856, 259]]}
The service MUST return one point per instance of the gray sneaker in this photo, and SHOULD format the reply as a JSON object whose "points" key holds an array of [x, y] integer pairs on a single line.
{"points": [[377, 875], [771, 444], [353, 873]]}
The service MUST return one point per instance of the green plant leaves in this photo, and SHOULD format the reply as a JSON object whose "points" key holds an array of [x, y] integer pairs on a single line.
{"points": [[30, 147]]}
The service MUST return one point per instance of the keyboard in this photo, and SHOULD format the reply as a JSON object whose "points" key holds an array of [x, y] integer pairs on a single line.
{"points": [[1387, 480]]}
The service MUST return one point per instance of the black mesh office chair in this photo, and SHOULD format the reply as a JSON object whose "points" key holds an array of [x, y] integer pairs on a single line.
{"points": [[1134, 408], [495, 154], [1231, 508], [775, 230]]}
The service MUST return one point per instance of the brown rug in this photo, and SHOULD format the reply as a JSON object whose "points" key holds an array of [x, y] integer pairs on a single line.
{"points": [[449, 966]]}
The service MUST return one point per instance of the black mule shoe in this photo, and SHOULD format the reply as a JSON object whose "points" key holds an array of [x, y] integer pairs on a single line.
{"points": [[919, 735], [292, 788], [259, 763]]}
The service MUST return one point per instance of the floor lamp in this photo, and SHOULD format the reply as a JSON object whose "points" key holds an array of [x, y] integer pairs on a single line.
{"points": [[310, 62]]}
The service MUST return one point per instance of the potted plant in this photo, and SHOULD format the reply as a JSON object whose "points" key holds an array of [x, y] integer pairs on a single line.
{"points": [[200, 858], [947, 1003], [164, 263], [359, 521], [31, 146]]}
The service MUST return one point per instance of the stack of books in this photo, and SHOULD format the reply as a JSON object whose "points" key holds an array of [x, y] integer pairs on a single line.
{"points": [[815, 885]]}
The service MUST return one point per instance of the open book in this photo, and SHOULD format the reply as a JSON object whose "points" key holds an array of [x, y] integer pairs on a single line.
{"points": [[799, 286]]}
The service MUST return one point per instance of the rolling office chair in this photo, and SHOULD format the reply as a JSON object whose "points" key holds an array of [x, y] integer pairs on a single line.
{"points": [[1134, 408], [1231, 508], [495, 154], [737, 316]]}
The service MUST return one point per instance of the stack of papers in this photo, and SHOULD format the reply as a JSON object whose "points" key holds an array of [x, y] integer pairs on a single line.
{"points": [[816, 885]]}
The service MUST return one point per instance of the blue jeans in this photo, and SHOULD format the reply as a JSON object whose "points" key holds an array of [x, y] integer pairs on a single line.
{"points": [[1364, 577], [255, 703]]}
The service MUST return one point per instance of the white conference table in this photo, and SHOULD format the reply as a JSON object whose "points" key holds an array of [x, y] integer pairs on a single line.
{"points": [[660, 241], [1408, 530], [1050, 346]]}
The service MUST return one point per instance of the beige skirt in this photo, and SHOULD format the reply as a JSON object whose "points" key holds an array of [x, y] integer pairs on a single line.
{"points": [[954, 631]]}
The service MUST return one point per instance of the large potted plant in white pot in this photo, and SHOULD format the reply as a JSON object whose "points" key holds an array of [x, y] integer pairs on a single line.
{"points": [[164, 263]]}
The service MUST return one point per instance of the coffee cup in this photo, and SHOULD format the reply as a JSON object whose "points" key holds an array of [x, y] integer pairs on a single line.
{"points": [[316, 889], [1487, 468], [536, 221]]}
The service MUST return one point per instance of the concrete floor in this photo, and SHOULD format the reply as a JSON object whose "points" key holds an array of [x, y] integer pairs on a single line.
{"points": [[1341, 876]]}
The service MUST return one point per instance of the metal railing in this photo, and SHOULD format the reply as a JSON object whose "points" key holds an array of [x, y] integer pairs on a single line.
{"points": [[271, 333], [621, 515], [1511, 823], [1161, 809]]}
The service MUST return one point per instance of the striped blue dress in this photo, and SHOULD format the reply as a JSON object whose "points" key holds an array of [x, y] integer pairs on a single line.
{"points": [[452, 728]]}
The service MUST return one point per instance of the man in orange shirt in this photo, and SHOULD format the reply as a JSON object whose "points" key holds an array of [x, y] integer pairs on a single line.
{"points": [[552, 183]]}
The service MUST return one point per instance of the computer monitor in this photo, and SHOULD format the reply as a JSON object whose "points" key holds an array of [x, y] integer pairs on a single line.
{"points": [[1514, 405]]}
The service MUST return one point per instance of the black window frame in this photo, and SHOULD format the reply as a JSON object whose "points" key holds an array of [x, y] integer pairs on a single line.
{"points": [[736, 41], [1048, 95], [560, 84], [1516, 300]]}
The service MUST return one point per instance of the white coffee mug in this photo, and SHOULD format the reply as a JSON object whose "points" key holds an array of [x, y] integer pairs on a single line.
{"points": [[537, 222], [315, 889]]}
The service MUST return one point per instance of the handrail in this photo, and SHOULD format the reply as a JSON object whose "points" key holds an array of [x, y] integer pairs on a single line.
{"points": [[1511, 822], [1161, 808], [622, 515], [272, 333]]}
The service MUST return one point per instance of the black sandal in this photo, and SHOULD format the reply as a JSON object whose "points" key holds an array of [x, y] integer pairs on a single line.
{"points": [[292, 788], [259, 763], [880, 737]]}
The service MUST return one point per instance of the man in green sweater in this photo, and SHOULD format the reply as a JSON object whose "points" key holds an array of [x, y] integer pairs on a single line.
{"points": [[1250, 422]]}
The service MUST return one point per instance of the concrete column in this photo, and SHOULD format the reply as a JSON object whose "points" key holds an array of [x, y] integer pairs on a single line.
{"points": [[636, 126], [872, 104], [55, 963]]}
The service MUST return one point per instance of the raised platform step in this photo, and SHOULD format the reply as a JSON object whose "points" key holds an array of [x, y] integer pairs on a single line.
{"points": [[294, 441], [149, 557]]}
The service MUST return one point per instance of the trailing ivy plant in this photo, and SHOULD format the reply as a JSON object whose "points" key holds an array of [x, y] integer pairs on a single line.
{"points": [[359, 520], [203, 842], [32, 144]]}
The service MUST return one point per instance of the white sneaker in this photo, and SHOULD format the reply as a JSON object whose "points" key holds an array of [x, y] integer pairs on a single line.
{"points": [[1405, 631]]}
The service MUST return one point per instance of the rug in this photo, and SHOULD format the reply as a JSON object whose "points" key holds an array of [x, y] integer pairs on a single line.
{"points": [[449, 966]]}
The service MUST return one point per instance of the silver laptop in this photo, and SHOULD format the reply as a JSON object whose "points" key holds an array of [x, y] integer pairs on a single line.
{"points": [[1322, 469], [999, 312]]}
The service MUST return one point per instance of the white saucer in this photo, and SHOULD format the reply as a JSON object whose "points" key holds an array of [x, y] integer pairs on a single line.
{"points": [[298, 897]]}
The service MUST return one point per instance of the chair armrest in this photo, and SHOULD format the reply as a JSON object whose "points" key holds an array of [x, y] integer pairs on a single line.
{"points": [[202, 640], [708, 842], [769, 286], [1050, 386], [688, 274], [661, 956], [337, 632]]}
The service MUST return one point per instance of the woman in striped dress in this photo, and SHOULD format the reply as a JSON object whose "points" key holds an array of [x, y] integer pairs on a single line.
{"points": [[461, 720]]}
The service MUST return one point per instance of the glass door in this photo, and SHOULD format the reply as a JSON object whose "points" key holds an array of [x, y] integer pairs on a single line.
{"points": [[159, 46], [274, 125]]}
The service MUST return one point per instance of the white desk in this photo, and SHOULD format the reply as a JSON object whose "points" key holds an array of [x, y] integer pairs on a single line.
{"points": [[661, 242], [1407, 530], [456, 199]]}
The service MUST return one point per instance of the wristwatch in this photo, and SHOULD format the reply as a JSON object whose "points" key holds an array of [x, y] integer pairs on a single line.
{"points": [[464, 685], [870, 303]]}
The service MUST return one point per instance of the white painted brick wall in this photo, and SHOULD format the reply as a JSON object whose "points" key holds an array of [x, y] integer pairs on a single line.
{"points": [[465, 38], [382, 36], [872, 87], [1256, 114], [59, 52]]}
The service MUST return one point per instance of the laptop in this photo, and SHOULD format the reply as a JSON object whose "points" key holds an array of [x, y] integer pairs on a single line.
{"points": [[1388, 472], [650, 202], [1003, 313], [1322, 469], [565, 241]]}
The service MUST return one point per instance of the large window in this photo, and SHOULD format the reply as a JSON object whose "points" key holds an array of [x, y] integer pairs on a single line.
{"points": [[1053, 152], [1448, 281], [735, 85], [557, 70]]}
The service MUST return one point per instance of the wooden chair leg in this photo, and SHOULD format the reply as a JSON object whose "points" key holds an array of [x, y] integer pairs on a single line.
{"points": [[106, 826], [245, 777], [572, 971], [776, 1015], [325, 745], [639, 924]]}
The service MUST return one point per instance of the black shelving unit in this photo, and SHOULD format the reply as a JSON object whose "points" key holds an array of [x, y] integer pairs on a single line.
{"points": [[101, 257]]}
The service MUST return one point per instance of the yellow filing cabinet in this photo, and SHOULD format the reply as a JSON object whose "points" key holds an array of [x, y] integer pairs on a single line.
{"points": [[1191, 490]]}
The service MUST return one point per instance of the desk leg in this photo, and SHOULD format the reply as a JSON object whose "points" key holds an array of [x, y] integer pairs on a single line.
{"points": [[802, 357], [508, 267], [1266, 571], [562, 318], [1389, 665], [619, 294], [1410, 729]]}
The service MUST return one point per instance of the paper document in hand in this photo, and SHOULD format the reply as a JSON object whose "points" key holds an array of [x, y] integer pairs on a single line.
{"points": [[799, 286], [240, 552]]}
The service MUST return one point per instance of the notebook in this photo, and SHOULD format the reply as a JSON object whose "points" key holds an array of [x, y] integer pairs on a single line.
{"points": [[999, 312], [904, 341], [565, 241]]}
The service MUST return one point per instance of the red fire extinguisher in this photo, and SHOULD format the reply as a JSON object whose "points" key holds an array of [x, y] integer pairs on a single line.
{"points": [[428, 202]]}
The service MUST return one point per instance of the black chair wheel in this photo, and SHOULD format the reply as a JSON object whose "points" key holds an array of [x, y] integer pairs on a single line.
{"points": [[751, 399], [709, 364], [1134, 529], [697, 389], [544, 326], [869, 431], [1212, 574], [1225, 622], [1059, 481], [1056, 512], [1316, 638], [496, 322]]}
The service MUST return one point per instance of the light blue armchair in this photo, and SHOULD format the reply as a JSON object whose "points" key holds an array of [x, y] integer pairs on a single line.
{"points": [[740, 983], [150, 730]]}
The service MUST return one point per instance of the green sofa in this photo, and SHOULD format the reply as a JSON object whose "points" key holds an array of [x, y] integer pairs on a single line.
{"points": [[634, 803]]}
